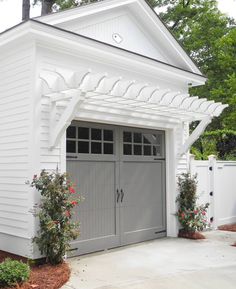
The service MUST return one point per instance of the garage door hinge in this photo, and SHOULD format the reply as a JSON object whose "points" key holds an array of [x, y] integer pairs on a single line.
{"points": [[211, 194], [164, 231], [74, 249], [72, 157], [210, 168]]}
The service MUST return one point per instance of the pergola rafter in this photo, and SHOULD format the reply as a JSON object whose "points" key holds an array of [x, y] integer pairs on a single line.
{"points": [[76, 90]]}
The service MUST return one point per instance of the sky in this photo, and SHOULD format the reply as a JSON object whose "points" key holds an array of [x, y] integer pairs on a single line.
{"points": [[10, 11]]}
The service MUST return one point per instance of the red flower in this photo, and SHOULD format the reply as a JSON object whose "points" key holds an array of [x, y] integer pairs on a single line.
{"points": [[71, 190], [204, 213], [74, 203], [195, 212], [67, 213], [182, 215]]}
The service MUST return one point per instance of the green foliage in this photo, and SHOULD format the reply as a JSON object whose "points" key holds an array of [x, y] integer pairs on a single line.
{"points": [[187, 191], [65, 4], [13, 272], [56, 5], [221, 143], [191, 217], [210, 38], [152, 3], [55, 215]]}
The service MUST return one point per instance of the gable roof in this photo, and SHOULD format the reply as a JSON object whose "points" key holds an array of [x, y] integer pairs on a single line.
{"points": [[145, 16], [48, 34]]}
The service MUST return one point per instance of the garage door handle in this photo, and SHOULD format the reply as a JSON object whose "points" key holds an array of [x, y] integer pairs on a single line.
{"points": [[122, 195], [118, 195]]}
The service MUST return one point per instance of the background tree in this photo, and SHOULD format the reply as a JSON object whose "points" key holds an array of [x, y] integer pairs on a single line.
{"points": [[210, 39], [49, 6], [46, 6], [25, 9]]}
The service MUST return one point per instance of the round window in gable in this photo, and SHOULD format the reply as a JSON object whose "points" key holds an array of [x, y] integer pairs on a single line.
{"points": [[117, 38]]}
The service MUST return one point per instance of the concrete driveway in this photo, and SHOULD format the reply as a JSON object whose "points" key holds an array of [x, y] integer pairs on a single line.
{"points": [[168, 263]]}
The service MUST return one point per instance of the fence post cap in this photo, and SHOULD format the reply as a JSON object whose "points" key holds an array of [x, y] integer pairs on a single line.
{"points": [[211, 157]]}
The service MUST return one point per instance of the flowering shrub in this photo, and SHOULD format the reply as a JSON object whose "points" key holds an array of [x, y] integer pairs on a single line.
{"points": [[193, 220], [191, 216], [55, 215]]}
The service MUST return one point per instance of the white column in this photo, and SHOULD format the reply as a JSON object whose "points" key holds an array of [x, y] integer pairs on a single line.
{"points": [[191, 164], [171, 184]]}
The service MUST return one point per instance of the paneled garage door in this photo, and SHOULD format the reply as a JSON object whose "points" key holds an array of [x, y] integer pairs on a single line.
{"points": [[120, 172]]}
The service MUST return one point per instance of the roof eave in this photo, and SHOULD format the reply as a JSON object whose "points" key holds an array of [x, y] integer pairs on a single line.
{"points": [[50, 34]]}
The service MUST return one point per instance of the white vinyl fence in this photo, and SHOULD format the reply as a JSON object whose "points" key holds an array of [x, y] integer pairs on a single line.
{"points": [[216, 185]]}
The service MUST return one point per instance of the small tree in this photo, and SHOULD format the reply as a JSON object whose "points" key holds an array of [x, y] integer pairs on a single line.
{"points": [[191, 216], [55, 213], [187, 191]]}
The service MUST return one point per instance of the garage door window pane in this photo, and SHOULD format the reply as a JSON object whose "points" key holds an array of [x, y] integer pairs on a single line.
{"points": [[127, 136], [108, 148], [83, 133], [127, 149], [83, 147], [96, 134], [147, 150], [158, 139], [137, 150], [96, 148], [156, 151], [108, 135], [147, 139], [71, 146], [138, 137], [71, 132]]}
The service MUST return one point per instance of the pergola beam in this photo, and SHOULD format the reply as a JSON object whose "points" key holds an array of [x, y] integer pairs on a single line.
{"points": [[70, 90]]}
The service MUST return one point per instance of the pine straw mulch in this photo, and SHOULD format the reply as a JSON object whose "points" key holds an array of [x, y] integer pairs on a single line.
{"points": [[42, 276], [230, 228], [191, 235]]}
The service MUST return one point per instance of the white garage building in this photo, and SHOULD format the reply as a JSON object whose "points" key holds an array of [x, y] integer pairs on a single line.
{"points": [[100, 91]]}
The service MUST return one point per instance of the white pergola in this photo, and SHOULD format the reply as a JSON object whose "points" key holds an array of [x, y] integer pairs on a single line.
{"points": [[85, 90]]}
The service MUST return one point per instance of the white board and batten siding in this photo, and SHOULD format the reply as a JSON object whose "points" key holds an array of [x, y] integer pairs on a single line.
{"points": [[16, 222]]}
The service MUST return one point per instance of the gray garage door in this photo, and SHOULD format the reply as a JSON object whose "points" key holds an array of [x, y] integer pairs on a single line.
{"points": [[120, 172]]}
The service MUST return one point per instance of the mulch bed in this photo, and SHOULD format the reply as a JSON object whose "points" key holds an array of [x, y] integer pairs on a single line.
{"points": [[229, 227], [191, 235], [42, 276]]}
